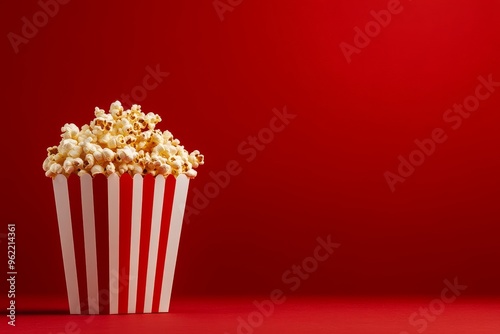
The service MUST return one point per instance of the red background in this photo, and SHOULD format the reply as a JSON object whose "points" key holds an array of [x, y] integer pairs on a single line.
{"points": [[322, 175]]}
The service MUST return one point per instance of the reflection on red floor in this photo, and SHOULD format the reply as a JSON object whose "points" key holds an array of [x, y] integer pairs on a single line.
{"points": [[246, 315]]}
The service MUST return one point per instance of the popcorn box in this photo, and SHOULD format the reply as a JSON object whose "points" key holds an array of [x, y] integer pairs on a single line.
{"points": [[119, 239]]}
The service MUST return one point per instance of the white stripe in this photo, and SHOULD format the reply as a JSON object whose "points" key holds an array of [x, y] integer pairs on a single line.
{"points": [[154, 241], [60, 184], [135, 241], [174, 235], [114, 240], [90, 242]]}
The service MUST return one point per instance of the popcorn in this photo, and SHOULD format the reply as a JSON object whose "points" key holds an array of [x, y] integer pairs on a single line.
{"points": [[78, 162], [108, 154], [69, 131], [120, 141], [55, 169], [97, 169], [69, 165], [110, 168], [191, 173], [126, 154], [122, 169], [75, 151], [89, 161]]}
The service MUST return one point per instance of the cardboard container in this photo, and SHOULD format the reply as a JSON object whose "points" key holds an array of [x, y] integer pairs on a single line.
{"points": [[119, 239]]}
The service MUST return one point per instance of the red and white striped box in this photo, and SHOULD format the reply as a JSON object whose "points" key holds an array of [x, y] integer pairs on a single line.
{"points": [[119, 238]]}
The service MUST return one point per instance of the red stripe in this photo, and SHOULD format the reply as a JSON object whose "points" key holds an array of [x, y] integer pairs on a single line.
{"points": [[126, 186], [75, 201], [147, 213], [168, 200], [100, 185]]}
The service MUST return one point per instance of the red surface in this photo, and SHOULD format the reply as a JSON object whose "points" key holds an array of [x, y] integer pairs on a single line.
{"points": [[258, 205], [294, 315]]}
